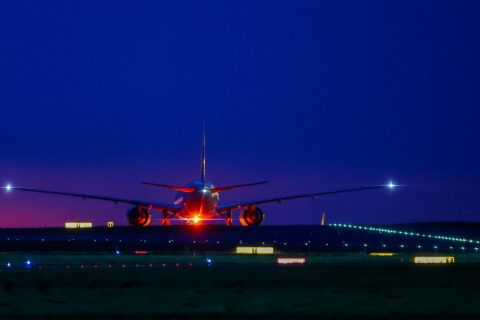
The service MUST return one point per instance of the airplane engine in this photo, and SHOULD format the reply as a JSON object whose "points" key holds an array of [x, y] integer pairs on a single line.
{"points": [[139, 217], [251, 216]]}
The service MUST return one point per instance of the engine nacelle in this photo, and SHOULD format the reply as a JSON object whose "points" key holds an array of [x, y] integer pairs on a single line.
{"points": [[252, 216], [139, 217]]}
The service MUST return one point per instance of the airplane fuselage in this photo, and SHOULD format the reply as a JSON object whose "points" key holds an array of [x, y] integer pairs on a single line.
{"points": [[199, 204]]}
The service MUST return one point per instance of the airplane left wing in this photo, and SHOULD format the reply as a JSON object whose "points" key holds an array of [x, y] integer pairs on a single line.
{"points": [[243, 204], [151, 205]]}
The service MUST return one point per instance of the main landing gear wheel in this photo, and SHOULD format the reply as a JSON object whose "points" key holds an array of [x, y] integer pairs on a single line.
{"points": [[229, 218], [165, 219]]}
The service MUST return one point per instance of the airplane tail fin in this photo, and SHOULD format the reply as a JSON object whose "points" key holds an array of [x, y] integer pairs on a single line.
{"points": [[182, 189], [202, 176], [220, 189]]}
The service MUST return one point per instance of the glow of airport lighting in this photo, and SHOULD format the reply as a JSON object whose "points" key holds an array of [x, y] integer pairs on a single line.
{"points": [[8, 187], [9, 264], [196, 219], [391, 185]]}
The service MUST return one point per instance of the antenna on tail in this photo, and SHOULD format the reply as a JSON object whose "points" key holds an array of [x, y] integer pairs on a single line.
{"points": [[202, 176]]}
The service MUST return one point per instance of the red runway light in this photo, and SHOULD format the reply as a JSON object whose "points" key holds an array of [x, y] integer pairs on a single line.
{"points": [[177, 264], [68, 267], [39, 267], [109, 265], [164, 264], [150, 265], [123, 266], [81, 266], [141, 252], [136, 265], [95, 266], [190, 264]]}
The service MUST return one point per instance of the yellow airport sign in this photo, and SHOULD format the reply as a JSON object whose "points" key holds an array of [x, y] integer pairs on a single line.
{"points": [[77, 225], [434, 260], [382, 254], [254, 250]]}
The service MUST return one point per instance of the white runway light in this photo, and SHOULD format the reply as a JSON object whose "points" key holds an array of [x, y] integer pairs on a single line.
{"points": [[8, 187], [391, 185]]}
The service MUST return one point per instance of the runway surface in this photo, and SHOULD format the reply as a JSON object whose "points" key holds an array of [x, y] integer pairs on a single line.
{"points": [[436, 237]]}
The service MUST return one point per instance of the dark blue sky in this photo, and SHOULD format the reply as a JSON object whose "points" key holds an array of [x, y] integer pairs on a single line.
{"points": [[311, 95]]}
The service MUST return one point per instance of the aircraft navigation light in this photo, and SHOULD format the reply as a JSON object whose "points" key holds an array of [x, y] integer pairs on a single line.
{"points": [[8, 187], [391, 185]]}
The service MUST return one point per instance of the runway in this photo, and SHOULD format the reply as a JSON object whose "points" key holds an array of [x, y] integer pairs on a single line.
{"points": [[183, 273], [434, 237]]}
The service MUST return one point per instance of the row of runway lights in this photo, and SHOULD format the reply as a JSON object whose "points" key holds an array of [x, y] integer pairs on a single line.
{"points": [[405, 233], [29, 264]]}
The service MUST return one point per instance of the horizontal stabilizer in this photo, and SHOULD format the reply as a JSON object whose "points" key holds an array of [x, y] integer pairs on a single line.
{"points": [[182, 189], [238, 186]]}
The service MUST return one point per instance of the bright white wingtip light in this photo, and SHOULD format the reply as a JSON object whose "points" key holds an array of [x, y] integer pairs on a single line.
{"points": [[8, 187], [391, 185]]}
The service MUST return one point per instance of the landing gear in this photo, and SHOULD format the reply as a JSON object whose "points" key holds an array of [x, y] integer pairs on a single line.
{"points": [[229, 218], [165, 218]]}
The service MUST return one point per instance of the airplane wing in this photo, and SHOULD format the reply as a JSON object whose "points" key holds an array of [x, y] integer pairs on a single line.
{"points": [[152, 205], [242, 204]]}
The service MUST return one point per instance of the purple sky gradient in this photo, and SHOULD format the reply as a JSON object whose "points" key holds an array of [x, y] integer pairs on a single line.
{"points": [[311, 96]]}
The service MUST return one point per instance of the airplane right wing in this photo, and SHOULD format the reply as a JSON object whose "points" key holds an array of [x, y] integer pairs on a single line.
{"points": [[243, 204]]}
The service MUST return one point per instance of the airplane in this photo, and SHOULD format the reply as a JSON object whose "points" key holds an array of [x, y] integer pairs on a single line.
{"points": [[198, 201]]}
